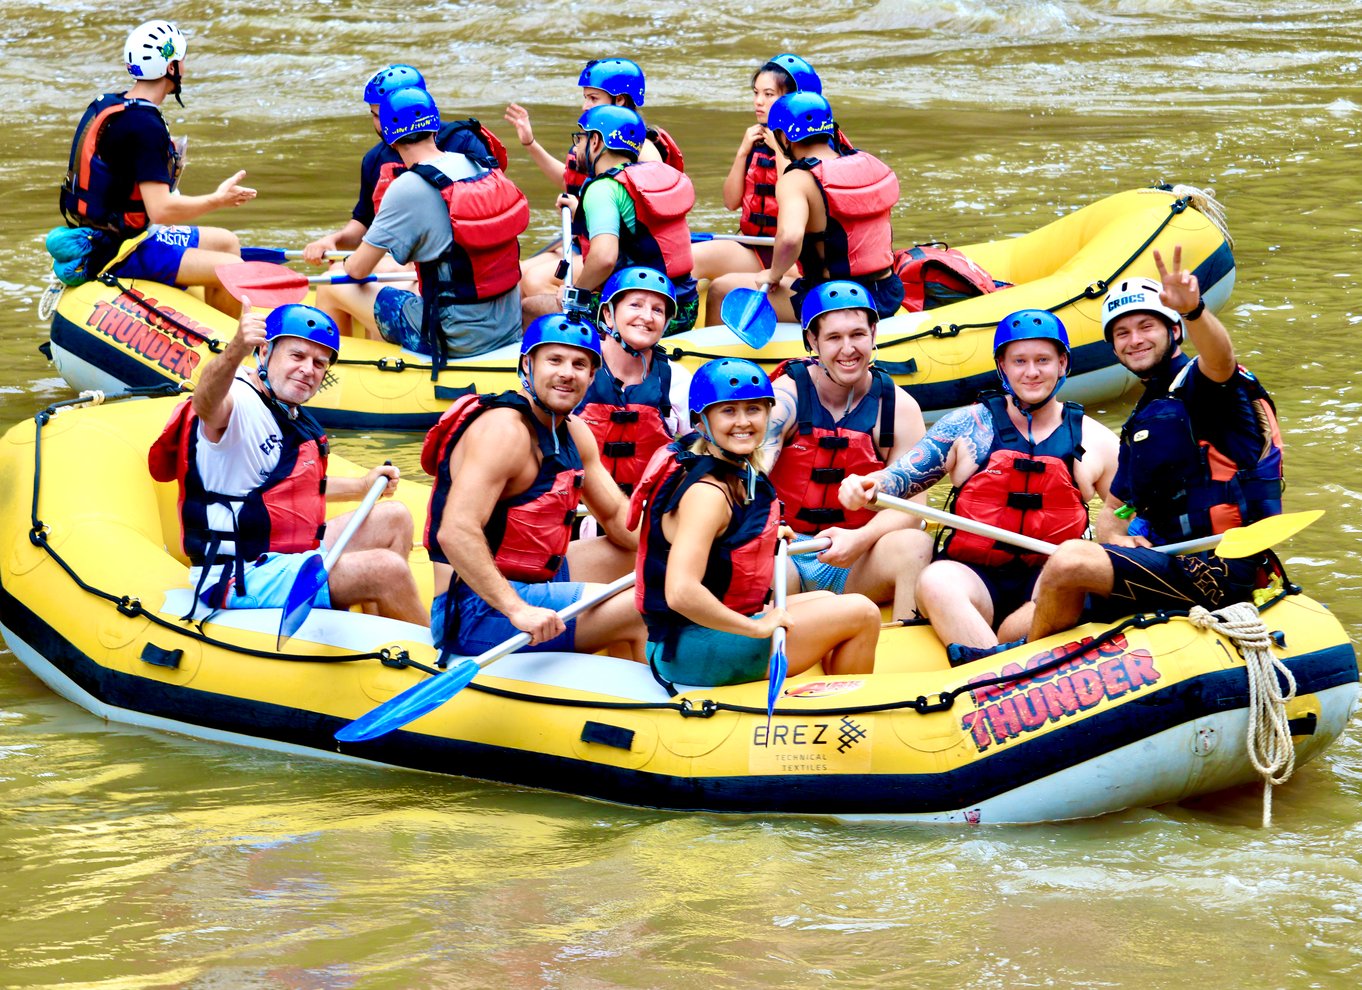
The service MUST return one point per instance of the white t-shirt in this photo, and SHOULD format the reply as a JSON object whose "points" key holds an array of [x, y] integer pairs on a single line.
{"points": [[678, 423], [239, 462]]}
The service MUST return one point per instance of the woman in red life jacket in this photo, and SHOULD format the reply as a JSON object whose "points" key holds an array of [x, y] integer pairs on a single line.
{"points": [[636, 402], [750, 185], [706, 551], [605, 82]]}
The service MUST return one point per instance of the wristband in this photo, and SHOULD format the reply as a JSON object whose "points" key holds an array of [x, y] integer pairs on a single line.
{"points": [[1124, 512], [1195, 312]]}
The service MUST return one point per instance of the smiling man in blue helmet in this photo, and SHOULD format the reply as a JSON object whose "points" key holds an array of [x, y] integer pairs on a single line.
{"points": [[1020, 460], [124, 170], [510, 471], [836, 415], [460, 222], [381, 164], [1201, 454], [251, 467]]}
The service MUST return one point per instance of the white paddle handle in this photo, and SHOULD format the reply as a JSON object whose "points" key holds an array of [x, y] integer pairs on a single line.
{"points": [[356, 520], [968, 525], [782, 566]]}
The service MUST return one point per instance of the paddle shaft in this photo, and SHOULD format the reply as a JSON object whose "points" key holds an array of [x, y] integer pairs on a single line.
{"points": [[1017, 539], [356, 520], [751, 240], [968, 525], [569, 612], [782, 565], [285, 254]]}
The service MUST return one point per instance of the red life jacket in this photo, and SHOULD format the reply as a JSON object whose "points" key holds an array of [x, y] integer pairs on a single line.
{"points": [[741, 559], [662, 197], [528, 533], [1183, 486], [88, 198], [759, 193], [285, 514], [487, 214], [859, 192], [759, 188], [937, 275], [1023, 488], [811, 466], [629, 421], [448, 130], [667, 148]]}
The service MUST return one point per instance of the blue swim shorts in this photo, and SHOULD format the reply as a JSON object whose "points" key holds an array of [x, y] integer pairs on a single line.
{"points": [[694, 654], [268, 581], [814, 575], [158, 257], [469, 328], [1009, 587], [481, 627]]}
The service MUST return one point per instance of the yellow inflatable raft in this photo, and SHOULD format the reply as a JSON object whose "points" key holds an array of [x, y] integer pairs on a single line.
{"points": [[1146, 711], [114, 334]]}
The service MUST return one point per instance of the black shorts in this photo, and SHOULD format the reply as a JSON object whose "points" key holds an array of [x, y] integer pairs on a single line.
{"points": [[1147, 580], [1009, 586]]}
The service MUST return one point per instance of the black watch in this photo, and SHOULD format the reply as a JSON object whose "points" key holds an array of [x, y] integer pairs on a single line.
{"points": [[1196, 310]]}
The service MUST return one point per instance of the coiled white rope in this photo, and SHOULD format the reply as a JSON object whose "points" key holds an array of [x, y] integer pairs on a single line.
{"points": [[1205, 203], [1269, 730]]}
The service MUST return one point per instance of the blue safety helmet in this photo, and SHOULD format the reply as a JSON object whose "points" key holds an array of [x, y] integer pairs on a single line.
{"points": [[638, 278], [307, 322], [390, 80], [620, 128], [558, 328], [800, 116], [1031, 324], [616, 76], [831, 296], [403, 112], [805, 78], [727, 380]]}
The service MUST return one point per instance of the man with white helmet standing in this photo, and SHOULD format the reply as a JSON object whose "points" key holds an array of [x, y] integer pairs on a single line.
{"points": [[124, 168], [1200, 454]]}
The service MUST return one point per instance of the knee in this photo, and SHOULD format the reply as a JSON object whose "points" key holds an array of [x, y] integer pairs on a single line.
{"points": [[935, 588], [908, 548], [1071, 565], [393, 521]]}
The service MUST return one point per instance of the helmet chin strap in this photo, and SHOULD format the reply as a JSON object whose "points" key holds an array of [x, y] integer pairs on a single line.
{"points": [[527, 380], [262, 372], [615, 335], [177, 78]]}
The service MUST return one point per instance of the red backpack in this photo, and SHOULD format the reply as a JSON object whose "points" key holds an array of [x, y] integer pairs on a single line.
{"points": [[935, 274]]}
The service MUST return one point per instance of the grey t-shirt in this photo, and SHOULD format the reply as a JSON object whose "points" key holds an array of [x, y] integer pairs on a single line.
{"points": [[412, 223]]}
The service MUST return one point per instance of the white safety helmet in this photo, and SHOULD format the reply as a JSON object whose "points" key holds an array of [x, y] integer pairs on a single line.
{"points": [[152, 47], [1135, 295]]}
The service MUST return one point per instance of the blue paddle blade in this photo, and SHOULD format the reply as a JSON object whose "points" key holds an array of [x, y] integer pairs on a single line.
{"points": [[779, 665], [275, 255], [749, 314], [298, 605], [410, 705]]}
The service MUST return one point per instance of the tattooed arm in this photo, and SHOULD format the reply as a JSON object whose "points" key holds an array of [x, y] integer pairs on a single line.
{"points": [[970, 430], [781, 419]]}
